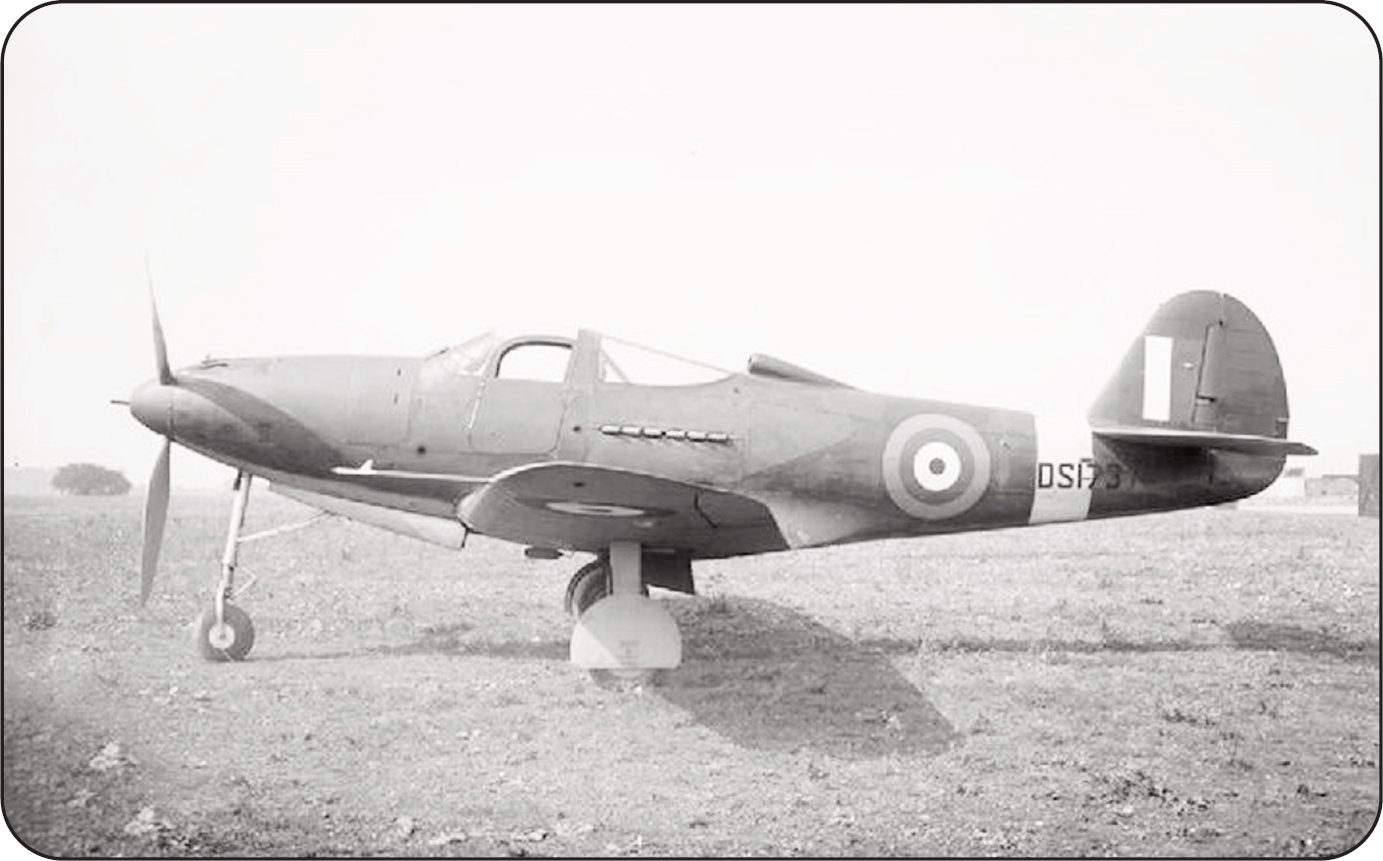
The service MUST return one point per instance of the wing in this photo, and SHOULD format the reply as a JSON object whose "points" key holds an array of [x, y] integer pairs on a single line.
{"points": [[580, 507]]}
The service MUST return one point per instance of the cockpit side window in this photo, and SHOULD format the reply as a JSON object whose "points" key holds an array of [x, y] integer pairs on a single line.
{"points": [[543, 361], [624, 363]]}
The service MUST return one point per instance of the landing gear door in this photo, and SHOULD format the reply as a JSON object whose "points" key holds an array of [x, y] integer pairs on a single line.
{"points": [[523, 398]]}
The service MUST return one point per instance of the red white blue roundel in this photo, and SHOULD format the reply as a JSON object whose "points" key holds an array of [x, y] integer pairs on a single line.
{"points": [[935, 466]]}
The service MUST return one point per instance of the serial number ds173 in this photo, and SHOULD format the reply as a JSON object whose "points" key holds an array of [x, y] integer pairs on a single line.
{"points": [[1085, 474]]}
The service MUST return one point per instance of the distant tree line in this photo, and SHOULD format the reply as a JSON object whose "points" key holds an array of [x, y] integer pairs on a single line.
{"points": [[88, 479]]}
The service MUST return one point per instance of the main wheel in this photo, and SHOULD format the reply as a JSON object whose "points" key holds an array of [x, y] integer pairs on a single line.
{"points": [[229, 641]]}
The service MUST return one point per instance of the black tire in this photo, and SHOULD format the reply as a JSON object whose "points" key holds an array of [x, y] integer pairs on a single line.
{"points": [[239, 628], [587, 586]]}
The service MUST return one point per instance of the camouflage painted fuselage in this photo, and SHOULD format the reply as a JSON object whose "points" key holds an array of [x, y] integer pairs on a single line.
{"points": [[773, 458]]}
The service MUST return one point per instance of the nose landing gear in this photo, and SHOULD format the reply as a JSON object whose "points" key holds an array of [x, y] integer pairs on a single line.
{"points": [[223, 631]]}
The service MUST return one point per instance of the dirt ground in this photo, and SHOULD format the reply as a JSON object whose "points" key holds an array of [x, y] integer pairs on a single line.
{"points": [[1199, 683]]}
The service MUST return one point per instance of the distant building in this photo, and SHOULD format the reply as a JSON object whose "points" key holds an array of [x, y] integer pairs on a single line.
{"points": [[1332, 485], [1368, 485]]}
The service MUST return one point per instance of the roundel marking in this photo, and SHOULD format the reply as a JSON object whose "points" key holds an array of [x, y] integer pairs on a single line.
{"points": [[935, 466], [595, 509]]}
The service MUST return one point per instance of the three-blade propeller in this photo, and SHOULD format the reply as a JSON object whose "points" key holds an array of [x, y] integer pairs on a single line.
{"points": [[156, 499]]}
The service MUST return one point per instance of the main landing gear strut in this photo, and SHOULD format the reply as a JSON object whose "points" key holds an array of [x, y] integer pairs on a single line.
{"points": [[618, 627]]}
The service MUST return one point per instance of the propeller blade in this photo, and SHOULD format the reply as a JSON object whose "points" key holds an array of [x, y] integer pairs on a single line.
{"points": [[155, 514], [165, 374]]}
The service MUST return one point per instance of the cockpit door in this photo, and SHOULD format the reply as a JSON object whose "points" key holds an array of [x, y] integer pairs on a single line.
{"points": [[523, 399]]}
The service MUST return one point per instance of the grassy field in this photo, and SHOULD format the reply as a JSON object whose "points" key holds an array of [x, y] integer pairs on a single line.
{"points": [[1199, 683]]}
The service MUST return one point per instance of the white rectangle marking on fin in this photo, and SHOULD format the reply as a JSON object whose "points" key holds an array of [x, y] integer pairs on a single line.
{"points": [[1157, 378]]}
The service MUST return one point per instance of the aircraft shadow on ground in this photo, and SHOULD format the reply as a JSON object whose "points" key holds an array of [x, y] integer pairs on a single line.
{"points": [[453, 640], [1248, 635], [759, 674], [768, 677]]}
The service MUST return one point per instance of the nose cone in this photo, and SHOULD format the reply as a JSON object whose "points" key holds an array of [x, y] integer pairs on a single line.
{"points": [[152, 405]]}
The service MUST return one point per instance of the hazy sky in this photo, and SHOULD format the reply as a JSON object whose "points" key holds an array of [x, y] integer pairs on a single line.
{"points": [[981, 205]]}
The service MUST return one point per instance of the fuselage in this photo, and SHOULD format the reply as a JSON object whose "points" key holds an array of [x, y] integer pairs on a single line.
{"points": [[833, 464]]}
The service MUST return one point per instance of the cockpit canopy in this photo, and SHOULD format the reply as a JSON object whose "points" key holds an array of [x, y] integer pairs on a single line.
{"points": [[548, 357]]}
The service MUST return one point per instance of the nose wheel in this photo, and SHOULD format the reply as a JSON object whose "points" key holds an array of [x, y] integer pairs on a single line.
{"points": [[230, 639]]}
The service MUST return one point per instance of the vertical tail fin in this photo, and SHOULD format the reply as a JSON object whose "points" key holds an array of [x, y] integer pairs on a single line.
{"points": [[1203, 374]]}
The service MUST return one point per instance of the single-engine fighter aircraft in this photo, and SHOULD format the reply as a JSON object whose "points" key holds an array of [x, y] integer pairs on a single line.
{"points": [[587, 443]]}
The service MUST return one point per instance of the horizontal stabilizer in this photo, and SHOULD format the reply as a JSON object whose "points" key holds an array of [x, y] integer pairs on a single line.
{"points": [[1183, 438]]}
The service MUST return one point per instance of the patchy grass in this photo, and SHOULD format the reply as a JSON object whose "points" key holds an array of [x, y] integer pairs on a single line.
{"points": [[1199, 683]]}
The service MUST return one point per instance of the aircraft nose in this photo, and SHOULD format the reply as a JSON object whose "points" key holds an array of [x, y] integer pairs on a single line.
{"points": [[152, 405]]}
